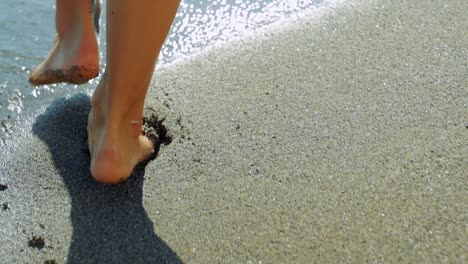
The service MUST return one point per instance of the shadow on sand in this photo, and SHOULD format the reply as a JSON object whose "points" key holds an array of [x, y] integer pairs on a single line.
{"points": [[110, 224]]}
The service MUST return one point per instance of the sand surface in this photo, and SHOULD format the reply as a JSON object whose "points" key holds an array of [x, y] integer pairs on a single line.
{"points": [[341, 138]]}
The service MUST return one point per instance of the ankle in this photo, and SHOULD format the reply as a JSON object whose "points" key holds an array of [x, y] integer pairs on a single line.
{"points": [[114, 122]]}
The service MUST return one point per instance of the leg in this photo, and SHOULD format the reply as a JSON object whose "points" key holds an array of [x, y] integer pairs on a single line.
{"points": [[74, 58], [136, 31]]}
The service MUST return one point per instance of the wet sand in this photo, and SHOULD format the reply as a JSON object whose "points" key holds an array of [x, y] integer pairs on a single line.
{"points": [[336, 139]]}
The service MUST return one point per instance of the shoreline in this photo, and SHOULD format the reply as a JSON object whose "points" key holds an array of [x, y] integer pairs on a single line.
{"points": [[336, 140]]}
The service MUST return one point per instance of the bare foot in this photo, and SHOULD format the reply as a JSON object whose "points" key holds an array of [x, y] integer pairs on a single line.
{"points": [[74, 58], [116, 145]]}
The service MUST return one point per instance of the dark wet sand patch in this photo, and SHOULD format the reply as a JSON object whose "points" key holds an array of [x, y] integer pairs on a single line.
{"points": [[156, 131], [154, 128], [37, 242]]}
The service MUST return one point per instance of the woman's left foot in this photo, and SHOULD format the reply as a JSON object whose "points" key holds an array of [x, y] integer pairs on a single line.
{"points": [[74, 58]]}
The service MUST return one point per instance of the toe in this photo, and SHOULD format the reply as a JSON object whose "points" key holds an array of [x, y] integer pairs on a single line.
{"points": [[34, 80], [146, 148]]}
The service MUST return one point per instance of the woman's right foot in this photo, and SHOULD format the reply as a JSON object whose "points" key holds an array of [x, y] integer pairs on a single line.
{"points": [[116, 144], [74, 58]]}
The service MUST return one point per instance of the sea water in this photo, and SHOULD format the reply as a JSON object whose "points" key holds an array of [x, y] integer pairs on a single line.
{"points": [[27, 31]]}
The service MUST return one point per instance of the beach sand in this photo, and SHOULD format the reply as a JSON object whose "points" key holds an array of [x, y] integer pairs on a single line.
{"points": [[341, 138]]}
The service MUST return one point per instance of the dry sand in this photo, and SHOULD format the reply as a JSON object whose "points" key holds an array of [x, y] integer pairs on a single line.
{"points": [[337, 139]]}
